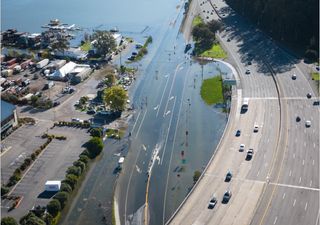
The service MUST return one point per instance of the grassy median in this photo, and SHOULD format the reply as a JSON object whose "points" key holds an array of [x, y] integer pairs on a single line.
{"points": [[196, 21], [211, 90], [215, 51]]}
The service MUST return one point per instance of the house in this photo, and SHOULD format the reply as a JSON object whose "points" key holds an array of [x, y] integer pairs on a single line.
{"points": [[72, 53], [71, 71], [9, 118]]}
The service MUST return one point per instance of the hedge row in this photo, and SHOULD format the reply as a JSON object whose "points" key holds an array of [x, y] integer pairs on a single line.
{"points": [[84, 124], [52, 136], [17, 174]]}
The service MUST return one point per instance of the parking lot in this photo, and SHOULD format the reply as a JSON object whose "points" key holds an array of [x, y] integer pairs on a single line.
{"points": [[51, 165]]}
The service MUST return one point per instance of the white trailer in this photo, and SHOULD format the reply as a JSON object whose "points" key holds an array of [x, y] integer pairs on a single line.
{"points": [[53, 185], [42, 63]]}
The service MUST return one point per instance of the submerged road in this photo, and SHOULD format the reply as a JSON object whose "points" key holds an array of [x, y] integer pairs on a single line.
{"points": [[173, 131], [280, 185]]}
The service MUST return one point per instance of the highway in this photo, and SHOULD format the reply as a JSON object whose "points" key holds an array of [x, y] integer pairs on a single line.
{"points": [[280, 185], [162, 158]]}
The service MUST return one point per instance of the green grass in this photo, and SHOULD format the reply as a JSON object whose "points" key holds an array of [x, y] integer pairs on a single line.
{"points": [[86, 46], [113, 133], [216, 51], [315, 76], [211, 90], [196, 21]]}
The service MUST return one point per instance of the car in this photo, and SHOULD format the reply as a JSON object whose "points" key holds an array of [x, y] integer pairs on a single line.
{"points": [[131, 58], [247, 71], [316, 103], [255, 128], [139, 46], [56, 103], [91, 112], [226, 197], [228, 40], [134, 53], [76, 120], [212, 203], [238, 133], [242, 146], [249, 154], [309, 95], [294, 76], [249, 63], [308, 123], [298, 119], [228, 176], [77, 103]]}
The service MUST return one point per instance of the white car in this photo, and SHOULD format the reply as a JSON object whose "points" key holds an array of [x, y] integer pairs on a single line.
{"points": [[256, 128], [241, 149], [308, 123]]}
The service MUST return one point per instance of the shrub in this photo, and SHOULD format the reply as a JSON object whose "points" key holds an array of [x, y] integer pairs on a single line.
{"points": [[74, 170], [65, 187], [62, 197], [22, 167], [61, 138], [196, 176], [96, 132], [54, 207], [27, 161], [84, 158], [94, 146], [33, 156], [4, 190], [17, 172], [85, 153], [37, 152], [8, 221], [80, 165], [31, 218], [71, 180]]}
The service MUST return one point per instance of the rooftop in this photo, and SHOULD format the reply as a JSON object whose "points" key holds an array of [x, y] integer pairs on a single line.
{"points": [[6, 109]]}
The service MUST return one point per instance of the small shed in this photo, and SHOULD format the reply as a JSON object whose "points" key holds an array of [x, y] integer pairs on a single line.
{"points": [[53, 185]]}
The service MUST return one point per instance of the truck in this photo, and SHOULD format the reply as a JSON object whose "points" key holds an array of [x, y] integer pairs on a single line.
{"points": [[53, 185], [245, 105], [42, 63], [6, 73], [48, 85]]}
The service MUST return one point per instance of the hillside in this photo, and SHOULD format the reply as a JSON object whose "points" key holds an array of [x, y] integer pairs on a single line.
{"points": [[292, 22]]}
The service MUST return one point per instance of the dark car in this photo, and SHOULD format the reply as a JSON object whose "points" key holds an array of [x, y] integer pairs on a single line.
{"points": [[56, 103], [212, 203], [238, 133], [91, 112], [226, 197], [249, 154], [309, 95], [228, 176]]}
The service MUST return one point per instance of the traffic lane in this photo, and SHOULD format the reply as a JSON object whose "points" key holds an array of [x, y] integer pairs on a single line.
{"points": [[262, 159], [20, 145], [301, 204], [51, 165]]}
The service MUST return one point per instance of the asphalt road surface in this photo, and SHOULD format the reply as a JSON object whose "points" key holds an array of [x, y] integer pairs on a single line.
{"points": [[280, 185]]}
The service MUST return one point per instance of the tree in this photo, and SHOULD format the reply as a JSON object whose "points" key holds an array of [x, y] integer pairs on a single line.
{"points": [[110, 79], [196, 176], [84, 159], [62, 197], [60, 44], [4, 190], [54, 207], [94, 146], [80, 165], [104, 42], [8, 221], [65, 187], [96, 132], [214, 26], [74, 170], [30, 218], [115, 97], [72, 180]]}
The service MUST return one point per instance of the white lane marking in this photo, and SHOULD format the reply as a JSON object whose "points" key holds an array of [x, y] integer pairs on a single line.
{"points": [[258, 173], [165, 145], [294, 155], [314, 145], [294, 202], [296, 140], [172, 97], [166, 75], [268, 140], [167, 113], [275, 220], [313, 162], [144, 147], [305, 144], [306, 206], [138, 169], [290, 173], [310, 183], [157, 107], [303, 162], [141, 122], [299, 180], [284, 195], [134, 125], [164, 91]]}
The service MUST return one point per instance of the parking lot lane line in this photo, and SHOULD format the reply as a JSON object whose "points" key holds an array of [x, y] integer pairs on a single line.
{"points": [[305, 144], [294, 155], [314, 145], [306, 206], [313, 162], [275, 220], [294, 202], [284, 195], [258, 173], [310, 183], [303, 162], [299, 180], [290, 172]]}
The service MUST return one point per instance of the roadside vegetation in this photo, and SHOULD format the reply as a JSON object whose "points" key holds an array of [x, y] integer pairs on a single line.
{"points": [[143, 50], [204, 35], [211, 90], [86, 46], [116, 98]]}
